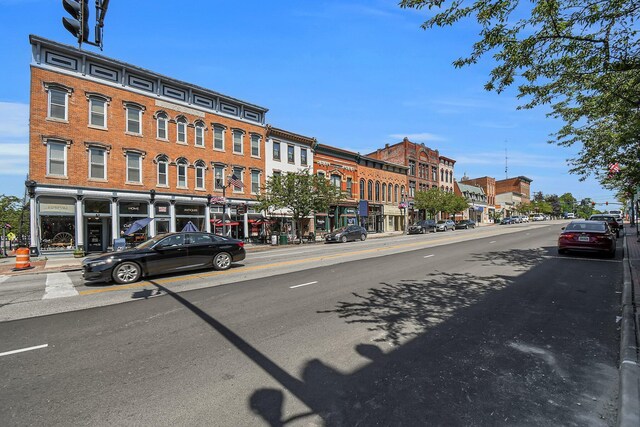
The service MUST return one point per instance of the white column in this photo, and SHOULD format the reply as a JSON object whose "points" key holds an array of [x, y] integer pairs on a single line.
{"points": [[172, 212], [79, 224], [152, 224], [115, 220], [33, 224], [246, 225], [207, 218]]}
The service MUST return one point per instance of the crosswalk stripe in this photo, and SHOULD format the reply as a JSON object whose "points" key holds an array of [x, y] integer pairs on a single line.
{"points": [[59, 285]]}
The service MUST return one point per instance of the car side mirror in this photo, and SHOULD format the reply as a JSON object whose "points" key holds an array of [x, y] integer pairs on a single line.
{"points": [[562, 228]]}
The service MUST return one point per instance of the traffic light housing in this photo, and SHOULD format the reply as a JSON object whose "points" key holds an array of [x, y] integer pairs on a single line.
{"points": [[78, 24], [593, 204], [606, 203]]}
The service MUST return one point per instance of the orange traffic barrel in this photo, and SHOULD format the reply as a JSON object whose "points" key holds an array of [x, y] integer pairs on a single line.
{"points": [[22, 259]]}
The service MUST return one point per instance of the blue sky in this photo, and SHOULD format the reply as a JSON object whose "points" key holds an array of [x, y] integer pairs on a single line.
{"points": [[353, 74]]}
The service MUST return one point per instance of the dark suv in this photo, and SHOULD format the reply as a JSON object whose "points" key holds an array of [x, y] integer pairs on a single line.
{"points": [[610, 219], [422, 227], [348, 233]]}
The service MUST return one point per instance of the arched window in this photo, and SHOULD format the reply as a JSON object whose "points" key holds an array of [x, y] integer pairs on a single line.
{"points": [[199, 141], [377, 191], [362, 189], [395, 194], [162, 167], [200, 174], [161, 125], [384, 192], [441, 174], [370, 190], [181, 124], [181, 166], [390, 194]]}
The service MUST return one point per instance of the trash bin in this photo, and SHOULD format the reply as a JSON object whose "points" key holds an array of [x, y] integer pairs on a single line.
{"points": [[284, 239], [274, 240]]}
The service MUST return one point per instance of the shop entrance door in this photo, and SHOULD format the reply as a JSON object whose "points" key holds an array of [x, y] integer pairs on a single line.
{"points": [[94, 237]]}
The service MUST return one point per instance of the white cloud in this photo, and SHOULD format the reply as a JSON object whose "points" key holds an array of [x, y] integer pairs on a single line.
{"points": [[418, 137], [14, 121], [14, 159]]}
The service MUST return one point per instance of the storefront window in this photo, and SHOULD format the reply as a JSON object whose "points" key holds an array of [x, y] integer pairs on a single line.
{"points": [[163, 217], [57, 223], [193, 213], [130, 212]]}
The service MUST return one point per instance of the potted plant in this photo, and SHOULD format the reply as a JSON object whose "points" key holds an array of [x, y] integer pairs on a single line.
{"points": [[78, 253]]}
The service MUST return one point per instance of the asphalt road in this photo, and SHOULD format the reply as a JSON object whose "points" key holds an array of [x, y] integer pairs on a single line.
{"points": [[496, 330]]}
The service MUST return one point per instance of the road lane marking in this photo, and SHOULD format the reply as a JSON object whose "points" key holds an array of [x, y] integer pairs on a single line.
{"points": [[493, 241], [3, 278], [428, 256], [37, 347], [59, 285], [304, 284]]}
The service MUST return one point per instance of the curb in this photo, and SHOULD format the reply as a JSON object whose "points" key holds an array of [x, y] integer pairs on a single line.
{"points": [[629, 391]]}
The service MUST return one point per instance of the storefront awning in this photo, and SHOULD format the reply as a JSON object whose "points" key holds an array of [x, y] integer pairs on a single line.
{"points": [[226, 224]]}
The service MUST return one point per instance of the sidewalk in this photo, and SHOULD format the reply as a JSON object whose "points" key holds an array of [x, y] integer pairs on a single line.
{"points": [[67, 262]]}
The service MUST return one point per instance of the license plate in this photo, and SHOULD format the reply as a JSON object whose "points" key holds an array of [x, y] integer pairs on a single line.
{"points": [[583, 238]]}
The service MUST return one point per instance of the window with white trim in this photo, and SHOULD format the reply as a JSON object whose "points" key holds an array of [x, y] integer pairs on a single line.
{"points": [[255, 182], [97, 112], [181, 166], [238, 172], [276, 150], [218, 138], [218, 177], [199, 141], [200, 178], [238, 136], [162, 121], [255, 145], [134, 168], [134, 119], [303, 156], [97, 163], [336, 181], [57, 159], [163, 172], [291, 156], [181, 135], [58, 103]]}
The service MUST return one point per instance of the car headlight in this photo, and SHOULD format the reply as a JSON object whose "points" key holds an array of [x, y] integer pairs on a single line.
{"points": [[99, 263]]}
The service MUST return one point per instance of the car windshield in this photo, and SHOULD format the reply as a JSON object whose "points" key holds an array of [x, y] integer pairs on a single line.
{"points": [[441, 222], [340, 230], [586, 226]]}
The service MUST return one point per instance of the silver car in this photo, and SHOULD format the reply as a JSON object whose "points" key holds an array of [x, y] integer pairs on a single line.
{"points": [[445, 225]]}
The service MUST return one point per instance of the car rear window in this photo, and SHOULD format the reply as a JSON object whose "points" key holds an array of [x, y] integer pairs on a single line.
{"points": [[586, 226]]}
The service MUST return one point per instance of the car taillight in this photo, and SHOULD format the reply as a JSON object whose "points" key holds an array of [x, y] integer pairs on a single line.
{"points": [[567, 236], [241, 244], [603, 237]]}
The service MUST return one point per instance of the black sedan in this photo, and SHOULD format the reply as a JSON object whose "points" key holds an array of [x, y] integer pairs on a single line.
{"points": [[421, 227], [345, 234], [465, 223], [165, 253]]}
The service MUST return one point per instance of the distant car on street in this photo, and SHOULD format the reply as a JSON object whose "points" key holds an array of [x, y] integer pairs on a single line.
{"points": [[465, 223], [537, 217], [422, 227], [589, 236], [445, 225], [164, 253], [506, 221], [346, 234], [610, 219]]}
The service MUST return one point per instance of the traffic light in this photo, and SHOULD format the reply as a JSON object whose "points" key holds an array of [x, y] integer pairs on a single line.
{"points": [[79, 24], [593, 204], [606, 203]]}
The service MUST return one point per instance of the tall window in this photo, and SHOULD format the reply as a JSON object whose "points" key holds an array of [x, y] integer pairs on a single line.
{"points": [[97, 163], [412, 189], [218, 177], [370, 190], [434, 173], [181, 124], [377, 191], [238, 173], [395, 194], [291, 157], [389, 198], [349, 187], [276, 150], [384, 191], [200, 170], [412, 167], [362, 189], [441, 174], [57, 158], [161, 126], [181, 165], [98, 112], [255, 182], [134, 168], [163, 172], [134, 119], [303, 156], [336, 181], [255, 145], [199, 142], [57, 105], [218, 137], [237, 141]]}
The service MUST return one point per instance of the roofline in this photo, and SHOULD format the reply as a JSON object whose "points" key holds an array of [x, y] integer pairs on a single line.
{"points": [[357, 157], [273, 131]]}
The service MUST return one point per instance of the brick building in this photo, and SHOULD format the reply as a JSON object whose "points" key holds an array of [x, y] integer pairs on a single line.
{"points": [[112, 143], [511, 193], [488, 185]]}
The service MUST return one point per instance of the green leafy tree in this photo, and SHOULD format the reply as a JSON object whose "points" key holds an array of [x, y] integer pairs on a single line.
{"points": [[580, 59], [568, 202], [454, 203], [430, 200], [11, 212], [554, 202], [301, 193]]}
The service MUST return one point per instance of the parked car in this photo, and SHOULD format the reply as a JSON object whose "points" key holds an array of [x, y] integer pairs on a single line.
{"points": [[524, 218], [515, 219], [445, 225], [345, 234], [465, 223], [164, 253], [610, 219], [506, 220], [422, 227], [591, 236], [538, 217], [618, 216]]}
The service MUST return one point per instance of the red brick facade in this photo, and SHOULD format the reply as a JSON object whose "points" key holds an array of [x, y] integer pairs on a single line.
{"points": [[520, 185]]}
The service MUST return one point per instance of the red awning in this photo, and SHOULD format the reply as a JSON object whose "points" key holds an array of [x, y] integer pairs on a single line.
{"points": [[228, 224]]}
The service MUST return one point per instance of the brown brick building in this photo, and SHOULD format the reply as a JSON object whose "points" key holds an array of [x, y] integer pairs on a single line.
{"points": [[488, 185], [112, 143]]}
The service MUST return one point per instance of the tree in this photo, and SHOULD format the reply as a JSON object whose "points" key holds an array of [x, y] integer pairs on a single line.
{"points": [[301, 193], [454, 203], [579, 58], [567, 202], [430, 200]]}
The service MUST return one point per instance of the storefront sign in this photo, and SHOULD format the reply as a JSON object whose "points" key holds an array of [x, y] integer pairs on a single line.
{"points": [[190, 210], [133, 208], [363, 208], [57, 208]]}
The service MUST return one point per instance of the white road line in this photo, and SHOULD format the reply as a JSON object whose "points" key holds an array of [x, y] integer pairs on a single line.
{"points": [[3, 278], [6, 353], [304, 284], [59, 286], [493, 241], [428, 256]]}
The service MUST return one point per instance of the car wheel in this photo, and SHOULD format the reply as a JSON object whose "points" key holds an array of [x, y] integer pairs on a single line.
{"points": [[343, 239], [222, 261], [127, 272], [422, 231], [362, 237]]}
